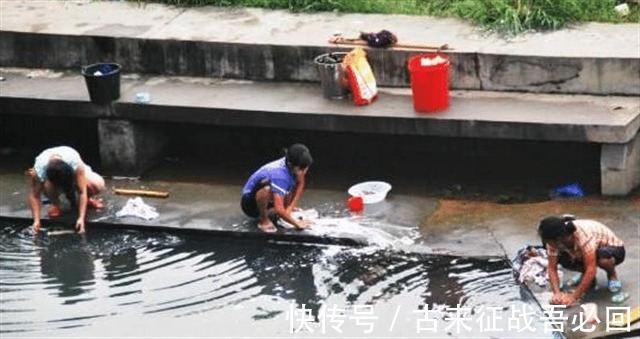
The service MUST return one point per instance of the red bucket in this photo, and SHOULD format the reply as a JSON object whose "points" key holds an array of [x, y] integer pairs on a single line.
{"points": [[429, 82], [356, 204]]}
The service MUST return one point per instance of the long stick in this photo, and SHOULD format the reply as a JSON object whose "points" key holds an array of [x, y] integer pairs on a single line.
{"points": [[358, 42], [144, 193]]}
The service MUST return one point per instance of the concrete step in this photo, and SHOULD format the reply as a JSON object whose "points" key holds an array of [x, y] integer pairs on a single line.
{"points": [[472, 114], [255, 44], [129, 143]]}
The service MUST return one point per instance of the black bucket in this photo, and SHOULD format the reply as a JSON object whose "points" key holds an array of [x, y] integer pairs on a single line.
{"points": [[103, 82]]}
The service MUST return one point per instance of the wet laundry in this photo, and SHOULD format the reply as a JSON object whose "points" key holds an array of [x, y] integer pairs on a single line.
{"points": [[136, 207], [530, 264]]}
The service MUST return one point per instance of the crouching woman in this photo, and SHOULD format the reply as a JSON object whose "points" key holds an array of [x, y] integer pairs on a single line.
{"points": [[60, 170], [580, 245]]}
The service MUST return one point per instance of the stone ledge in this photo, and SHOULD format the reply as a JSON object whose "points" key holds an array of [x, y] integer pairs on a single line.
{"points": [[290, 236], [211, 101], [260, 62], [258, 44]]}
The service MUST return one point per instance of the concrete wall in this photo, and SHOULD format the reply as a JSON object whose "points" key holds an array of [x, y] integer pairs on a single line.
{"points": [[127, 148], [620, 167], [559, 75], [620, 76]]}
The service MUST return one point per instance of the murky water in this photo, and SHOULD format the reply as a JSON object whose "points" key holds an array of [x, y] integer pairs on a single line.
{"points": [[130, 283]]}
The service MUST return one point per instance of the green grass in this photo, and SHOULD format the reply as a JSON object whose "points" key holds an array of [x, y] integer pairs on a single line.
{"points": [[508, 17], [517, 16]]}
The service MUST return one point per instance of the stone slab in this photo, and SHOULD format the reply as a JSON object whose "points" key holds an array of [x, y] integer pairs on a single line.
{"points": [[246, 43], [301, 106]]}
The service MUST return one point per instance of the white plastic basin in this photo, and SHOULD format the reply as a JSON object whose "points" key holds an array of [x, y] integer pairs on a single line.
{"points": [[370, 191]]}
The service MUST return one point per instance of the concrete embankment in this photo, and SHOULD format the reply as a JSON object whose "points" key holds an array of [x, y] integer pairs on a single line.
{"points": [[256, 44]]}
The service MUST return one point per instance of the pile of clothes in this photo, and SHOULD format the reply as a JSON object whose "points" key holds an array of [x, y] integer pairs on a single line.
{"points": [[530, 264]]}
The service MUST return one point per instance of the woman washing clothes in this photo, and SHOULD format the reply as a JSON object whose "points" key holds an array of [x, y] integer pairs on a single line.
{"points": [[580, 245], [60, 170], [277, 185]]}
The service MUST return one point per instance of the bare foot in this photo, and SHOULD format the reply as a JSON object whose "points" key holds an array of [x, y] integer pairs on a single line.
{"points": [[54, 211], [267, 227]]}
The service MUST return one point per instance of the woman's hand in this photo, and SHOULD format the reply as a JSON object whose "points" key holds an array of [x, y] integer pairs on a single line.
{"points": [[566, 299], [36, 227], [80, 225], [303, 224]]}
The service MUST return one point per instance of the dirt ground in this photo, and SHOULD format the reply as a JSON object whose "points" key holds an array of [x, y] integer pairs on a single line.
{"points": [[450, 211]]}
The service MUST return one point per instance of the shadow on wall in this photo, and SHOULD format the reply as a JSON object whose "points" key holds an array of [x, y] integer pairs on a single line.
{"points": [[341, 159], [346, 158], [30, 135]]}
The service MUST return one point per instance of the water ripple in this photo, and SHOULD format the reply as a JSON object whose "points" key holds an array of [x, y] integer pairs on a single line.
{"points": [[73, 285]]}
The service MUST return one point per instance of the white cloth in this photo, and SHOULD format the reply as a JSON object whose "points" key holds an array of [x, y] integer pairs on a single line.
{"points": [[369, 231], [135, 207]]}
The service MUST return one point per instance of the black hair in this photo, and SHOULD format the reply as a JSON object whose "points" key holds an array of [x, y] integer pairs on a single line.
{"points": [[298, 155], [61, 175], [553, 227]]}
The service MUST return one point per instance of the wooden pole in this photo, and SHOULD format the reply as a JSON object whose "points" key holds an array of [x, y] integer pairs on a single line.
{"points": [[358, 42], [144, 193]]}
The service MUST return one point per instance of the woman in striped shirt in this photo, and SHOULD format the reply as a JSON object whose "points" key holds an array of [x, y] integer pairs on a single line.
{"points": [[580, 245]]}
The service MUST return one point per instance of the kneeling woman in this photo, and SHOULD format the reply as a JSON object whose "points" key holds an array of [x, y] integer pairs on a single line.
{"points": [[61, 170], [580, 245]]}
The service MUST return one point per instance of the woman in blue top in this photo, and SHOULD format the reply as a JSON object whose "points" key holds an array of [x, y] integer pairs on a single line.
{"points": [[61, 170], [278, 184]]}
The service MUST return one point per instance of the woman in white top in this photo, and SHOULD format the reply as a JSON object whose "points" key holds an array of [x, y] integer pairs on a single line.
{"points": [[61, 170]]}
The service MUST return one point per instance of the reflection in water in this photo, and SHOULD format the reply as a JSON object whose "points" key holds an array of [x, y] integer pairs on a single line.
{"points": [[120, 262], [118, 276], [70, 257], [67, 259], [286, 274]]}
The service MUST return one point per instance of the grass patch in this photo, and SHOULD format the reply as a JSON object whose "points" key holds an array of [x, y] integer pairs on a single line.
{"points": [[516, 16], [508, 17]]}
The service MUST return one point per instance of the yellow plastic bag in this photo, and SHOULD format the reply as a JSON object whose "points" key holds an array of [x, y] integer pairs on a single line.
{"points": [[361, 78]]}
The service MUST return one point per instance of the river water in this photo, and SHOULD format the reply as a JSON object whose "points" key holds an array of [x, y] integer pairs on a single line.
{"points": [[147, 284]]}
